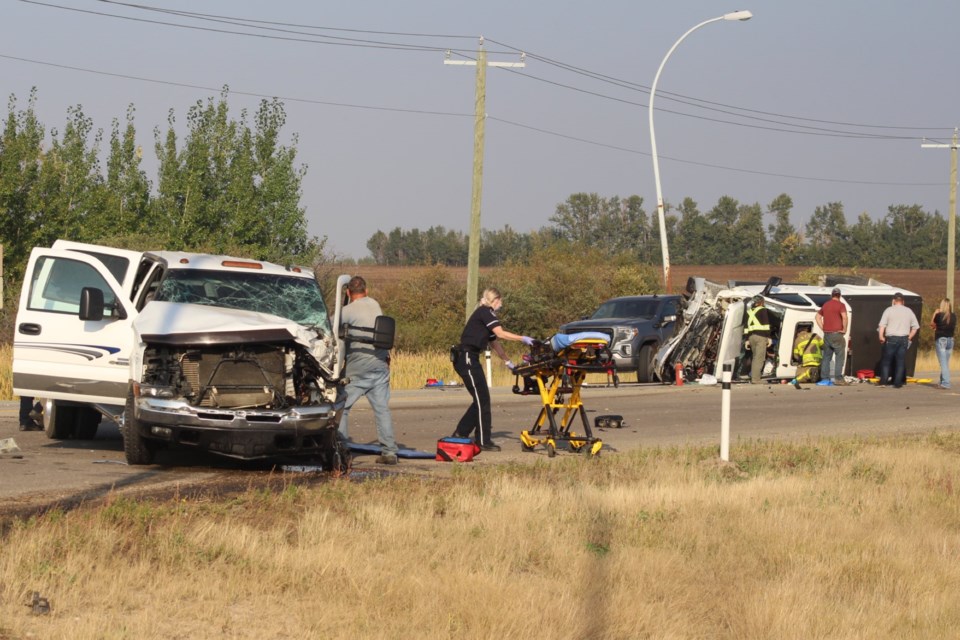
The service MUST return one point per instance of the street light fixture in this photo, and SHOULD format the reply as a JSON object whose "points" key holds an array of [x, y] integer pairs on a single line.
{"points": [[736, 15]]}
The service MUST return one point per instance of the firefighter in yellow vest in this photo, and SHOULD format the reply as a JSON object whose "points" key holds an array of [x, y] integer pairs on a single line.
{"points": [[758, 337], [808, 349]]}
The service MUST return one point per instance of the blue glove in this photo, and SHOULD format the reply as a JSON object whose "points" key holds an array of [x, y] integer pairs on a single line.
{"points": [[527, 340], [509, 364]]}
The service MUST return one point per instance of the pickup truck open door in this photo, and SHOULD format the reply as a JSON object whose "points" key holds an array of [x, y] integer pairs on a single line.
{"points": [[72, 335]]}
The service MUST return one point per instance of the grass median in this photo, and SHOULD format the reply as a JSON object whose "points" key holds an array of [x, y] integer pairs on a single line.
{"points": [[827, 538]]}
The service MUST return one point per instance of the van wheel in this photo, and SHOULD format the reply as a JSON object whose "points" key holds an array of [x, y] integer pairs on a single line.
{"points": [[136, 448], [59, 421], [88, 420], [645, 364]]}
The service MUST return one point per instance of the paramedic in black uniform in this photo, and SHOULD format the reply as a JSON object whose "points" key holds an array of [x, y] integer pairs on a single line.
{"points": [[482, 328]]}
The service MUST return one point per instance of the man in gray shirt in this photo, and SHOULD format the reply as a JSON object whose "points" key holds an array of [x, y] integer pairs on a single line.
{"points": [[898, 326], [368, 369]]}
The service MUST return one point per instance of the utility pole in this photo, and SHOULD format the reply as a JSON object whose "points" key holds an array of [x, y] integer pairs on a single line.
{"points": [[952, 220], [480, 116]]}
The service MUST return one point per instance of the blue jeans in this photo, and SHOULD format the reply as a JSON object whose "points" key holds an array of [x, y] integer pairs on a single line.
{"points": [[944, 347], [895, 354], [375, 385], [834, 344]]}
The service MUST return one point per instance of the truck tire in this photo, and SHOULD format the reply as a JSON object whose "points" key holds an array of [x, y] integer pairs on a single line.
{"points": [[137, 449], [87, 423], [59, 421], [645, 364]]}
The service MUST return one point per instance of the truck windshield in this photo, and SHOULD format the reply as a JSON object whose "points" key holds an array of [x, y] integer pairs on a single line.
{"points": [[627, 309], [297, 299]]}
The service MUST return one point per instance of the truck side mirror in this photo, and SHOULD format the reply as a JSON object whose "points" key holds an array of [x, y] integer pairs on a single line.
{"points": [[91, 304], [666, 320], [381, 336], [384, 332]]}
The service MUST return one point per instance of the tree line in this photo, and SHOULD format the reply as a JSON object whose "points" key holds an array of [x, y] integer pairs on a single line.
{"points": [[227, 186], [907, 237]]}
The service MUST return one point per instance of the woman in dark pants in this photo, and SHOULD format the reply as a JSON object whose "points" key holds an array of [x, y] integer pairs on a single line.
{"points": [[482, 329]]}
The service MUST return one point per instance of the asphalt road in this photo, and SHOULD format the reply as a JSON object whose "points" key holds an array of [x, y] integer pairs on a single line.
{"points": [[49, 472]]}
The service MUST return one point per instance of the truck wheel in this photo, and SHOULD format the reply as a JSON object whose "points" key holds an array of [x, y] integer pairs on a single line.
{"points": [[337, 458], [59, 421], [88, 420], [138, 450], [645, 364]]}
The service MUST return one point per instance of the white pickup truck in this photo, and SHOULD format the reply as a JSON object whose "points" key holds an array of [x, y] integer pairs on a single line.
{"points": [[233, 356]]}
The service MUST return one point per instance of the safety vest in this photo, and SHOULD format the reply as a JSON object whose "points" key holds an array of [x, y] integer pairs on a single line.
{"points": [[810, 351], [753, 324]]}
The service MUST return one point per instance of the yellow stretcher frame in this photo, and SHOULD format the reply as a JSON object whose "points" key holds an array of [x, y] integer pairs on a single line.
{"points": [[559, 378]]}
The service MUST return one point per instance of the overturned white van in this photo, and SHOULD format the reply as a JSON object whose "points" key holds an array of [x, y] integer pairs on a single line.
{"points": [[710, 328], [232, 356]]}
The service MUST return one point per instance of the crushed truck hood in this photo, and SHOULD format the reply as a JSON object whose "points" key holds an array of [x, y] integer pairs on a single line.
{"points": [[175, 323]]}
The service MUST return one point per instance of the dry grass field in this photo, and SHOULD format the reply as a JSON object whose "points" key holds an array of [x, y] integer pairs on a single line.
{"points": [[823, 539]]}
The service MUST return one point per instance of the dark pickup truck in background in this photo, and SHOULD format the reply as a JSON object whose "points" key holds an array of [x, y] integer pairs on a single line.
{"points": [[637, 326]]}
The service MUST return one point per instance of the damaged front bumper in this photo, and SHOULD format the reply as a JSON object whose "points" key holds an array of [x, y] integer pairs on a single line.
{"points": [[240, 433]]}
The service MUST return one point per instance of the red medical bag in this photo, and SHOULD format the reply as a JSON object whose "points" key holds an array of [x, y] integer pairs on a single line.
{"points": [[456, 449]]}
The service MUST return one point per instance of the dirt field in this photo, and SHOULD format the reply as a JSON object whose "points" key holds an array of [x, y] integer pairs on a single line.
{"points": [[929, 284]]}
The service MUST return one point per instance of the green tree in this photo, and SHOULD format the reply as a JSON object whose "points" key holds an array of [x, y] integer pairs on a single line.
{"points": [[614, 225], [750, 241], [21, 158], [722, 245], [693, 235], [784, 238], [913, 238], [866, 242], [828, 236], [378, 246], [127, 198], [538, 300], [70, 199], [428, 309], [578, 219], [230, 188], [502, 245]]}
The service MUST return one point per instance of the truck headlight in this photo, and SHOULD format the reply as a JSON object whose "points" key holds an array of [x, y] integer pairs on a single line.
{"points": [[623, 334], [151, 391]]}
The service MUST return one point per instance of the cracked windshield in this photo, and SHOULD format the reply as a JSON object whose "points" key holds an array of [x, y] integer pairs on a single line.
{"points": [[297, 299]]}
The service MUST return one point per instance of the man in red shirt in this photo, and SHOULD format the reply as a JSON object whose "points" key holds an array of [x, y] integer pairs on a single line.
{"points": [[832, 319]]}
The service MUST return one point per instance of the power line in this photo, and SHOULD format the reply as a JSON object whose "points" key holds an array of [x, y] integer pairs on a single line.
{"points": [[240, 93], [286, 24], [627, 84], [813, 131], [687, 100], [717, 166], [459, 115], [326, 40]]}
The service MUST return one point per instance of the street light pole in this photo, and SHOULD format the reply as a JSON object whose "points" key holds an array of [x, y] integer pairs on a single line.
{"points": [[952, 221], [661, 219]]}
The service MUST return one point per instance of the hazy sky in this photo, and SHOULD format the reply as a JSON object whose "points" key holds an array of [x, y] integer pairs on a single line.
{"points": [[823, 100]]}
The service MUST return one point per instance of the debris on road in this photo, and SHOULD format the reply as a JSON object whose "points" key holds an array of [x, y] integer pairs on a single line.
{"points": [[9, 448]]}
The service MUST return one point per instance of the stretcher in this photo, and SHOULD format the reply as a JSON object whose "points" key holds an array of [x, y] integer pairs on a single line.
{"points": [[556, 370]]}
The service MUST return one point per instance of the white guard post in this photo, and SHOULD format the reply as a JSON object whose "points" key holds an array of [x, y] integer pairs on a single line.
{"points": [[486, 354], [725, 413]]}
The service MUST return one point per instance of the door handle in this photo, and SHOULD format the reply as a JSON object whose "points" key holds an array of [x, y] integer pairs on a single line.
{"points": [[29, 328]]}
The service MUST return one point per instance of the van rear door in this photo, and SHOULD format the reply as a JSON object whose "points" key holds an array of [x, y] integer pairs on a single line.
{"points": [[56, 354]]}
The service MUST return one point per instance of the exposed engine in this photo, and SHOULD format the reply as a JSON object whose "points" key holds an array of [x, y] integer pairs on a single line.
{"points": [[243, 376], [698, 350]]}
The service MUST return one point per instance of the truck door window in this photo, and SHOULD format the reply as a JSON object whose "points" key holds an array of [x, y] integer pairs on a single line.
{"points": [[116, 265], [57, 283]]}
